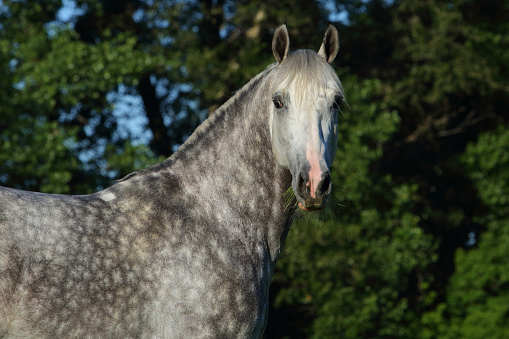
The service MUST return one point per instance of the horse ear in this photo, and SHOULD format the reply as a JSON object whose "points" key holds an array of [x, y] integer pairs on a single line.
{"points": [[280, 43], [330, 44]]}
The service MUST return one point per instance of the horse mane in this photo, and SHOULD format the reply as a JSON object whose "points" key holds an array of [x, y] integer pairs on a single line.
{"points": [[202, 128]]}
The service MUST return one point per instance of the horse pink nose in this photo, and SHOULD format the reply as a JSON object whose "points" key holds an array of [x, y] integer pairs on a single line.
{"points": [[313, 190]]}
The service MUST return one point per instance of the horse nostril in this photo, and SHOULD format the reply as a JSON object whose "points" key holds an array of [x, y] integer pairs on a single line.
{"points": [[302, 180], [302, 184], [324, 184]]}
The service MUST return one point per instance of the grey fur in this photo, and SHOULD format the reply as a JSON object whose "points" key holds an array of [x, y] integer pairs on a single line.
{"points": [[183, 249]]}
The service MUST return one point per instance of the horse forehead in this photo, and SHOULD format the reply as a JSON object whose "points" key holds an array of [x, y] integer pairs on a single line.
{"points": [[305, 84], [311, 100]]}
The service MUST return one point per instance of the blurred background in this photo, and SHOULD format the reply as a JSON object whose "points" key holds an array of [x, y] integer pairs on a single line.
{"points": [[416, 241]]}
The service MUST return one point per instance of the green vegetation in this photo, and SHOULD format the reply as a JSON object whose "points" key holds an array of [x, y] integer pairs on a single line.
{"points": [[415, 244]]}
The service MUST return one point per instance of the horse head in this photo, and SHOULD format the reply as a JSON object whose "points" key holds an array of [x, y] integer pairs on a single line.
{"points": [[305, 102]]}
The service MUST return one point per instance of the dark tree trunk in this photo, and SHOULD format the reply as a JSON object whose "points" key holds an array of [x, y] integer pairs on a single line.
{"points": [[161, 144]]}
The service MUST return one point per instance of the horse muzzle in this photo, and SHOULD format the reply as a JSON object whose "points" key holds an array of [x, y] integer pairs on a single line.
{"points": [[312, 191]]}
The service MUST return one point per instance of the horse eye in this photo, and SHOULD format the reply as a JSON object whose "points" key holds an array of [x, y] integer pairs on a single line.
{"points": [[277, 103], [337, 101]]}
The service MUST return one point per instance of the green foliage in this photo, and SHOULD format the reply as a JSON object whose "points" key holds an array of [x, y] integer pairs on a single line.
{"points": [[38, 153], [487, 162], [365, 125], [56, 81], [478, 293], [84, 72], [477, 299]]}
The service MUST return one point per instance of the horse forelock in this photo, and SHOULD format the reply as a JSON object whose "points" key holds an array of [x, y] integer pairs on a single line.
{"points": [[307, 72]]}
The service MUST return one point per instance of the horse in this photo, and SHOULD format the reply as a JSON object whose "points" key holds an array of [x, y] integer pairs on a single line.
{"points": [[186, 248]]}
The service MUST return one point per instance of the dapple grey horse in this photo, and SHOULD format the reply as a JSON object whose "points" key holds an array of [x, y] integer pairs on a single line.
{"points": [[186, 248]]}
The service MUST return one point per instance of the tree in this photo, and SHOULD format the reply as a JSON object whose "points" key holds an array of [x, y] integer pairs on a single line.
{"points": [[475, 305], [32, 151], [60, 87], [414, 206]]}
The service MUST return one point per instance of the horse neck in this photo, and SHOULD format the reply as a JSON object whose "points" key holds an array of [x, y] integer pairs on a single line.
{"points": [[229, 161]]}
